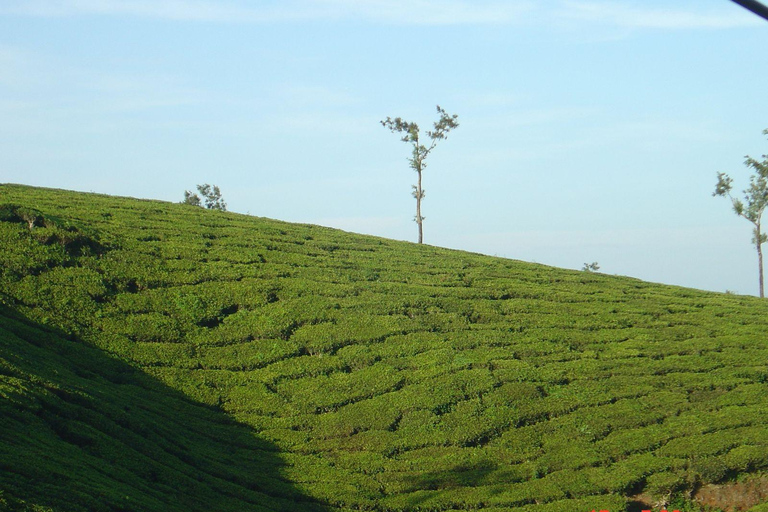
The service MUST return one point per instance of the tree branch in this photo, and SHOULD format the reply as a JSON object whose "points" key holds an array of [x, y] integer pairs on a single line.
{"points": [[754, 6]]}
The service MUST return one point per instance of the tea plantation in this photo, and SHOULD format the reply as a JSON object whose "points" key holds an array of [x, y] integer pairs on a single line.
{"points": [[158, 356]]}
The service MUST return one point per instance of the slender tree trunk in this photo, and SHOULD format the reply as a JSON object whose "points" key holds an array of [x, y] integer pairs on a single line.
{"points": [[758, 239], [760, 263], [418, 207]]}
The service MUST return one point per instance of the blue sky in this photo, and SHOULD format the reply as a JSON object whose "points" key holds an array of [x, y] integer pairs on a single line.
{"points": [[590, 130]]}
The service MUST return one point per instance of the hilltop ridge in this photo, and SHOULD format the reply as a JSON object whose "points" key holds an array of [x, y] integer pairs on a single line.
{"points": [[162, 356]]}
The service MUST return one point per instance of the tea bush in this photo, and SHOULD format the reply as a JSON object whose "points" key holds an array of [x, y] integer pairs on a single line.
{"points": [[155, 357]]}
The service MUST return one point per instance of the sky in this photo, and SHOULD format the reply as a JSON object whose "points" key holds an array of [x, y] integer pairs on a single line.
{"points": [[590, 131]]}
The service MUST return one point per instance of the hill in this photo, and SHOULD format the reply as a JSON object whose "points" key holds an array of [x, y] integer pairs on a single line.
{"points": [[157, 356]]}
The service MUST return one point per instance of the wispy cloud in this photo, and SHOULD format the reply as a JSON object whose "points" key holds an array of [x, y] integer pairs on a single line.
{"points": [[634, 15], [397, 12], [112, 93], [303, 95], [493, 99], [180, 10], [434, 12], [38, 91], [401, 12], [13, 67]]}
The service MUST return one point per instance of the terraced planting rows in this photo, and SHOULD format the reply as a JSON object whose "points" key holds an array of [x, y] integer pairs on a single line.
{"points": [[350, 372]]}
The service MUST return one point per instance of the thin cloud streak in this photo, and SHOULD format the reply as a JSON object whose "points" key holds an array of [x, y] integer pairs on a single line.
{"points": [[392, 12], [14, 64], [399, 12], [176, 10], [435, 12], [631, 16]]}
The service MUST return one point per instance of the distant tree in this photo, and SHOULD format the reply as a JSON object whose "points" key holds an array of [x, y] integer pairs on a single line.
{"points": [[753, 205], [591, 267], [419, 152], [211, 195], [192, 199]]}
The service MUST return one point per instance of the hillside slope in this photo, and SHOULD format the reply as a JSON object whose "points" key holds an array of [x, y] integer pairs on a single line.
{"points": [[157, 356]]}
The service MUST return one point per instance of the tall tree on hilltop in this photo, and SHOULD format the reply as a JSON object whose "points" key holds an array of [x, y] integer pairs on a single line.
{"points": [[755, 201], [419, 152]]}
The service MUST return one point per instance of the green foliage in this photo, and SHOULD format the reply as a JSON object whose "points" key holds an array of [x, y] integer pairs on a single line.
{"points": [[754, 203], [591, 267], [194, 360], [419, 151], [191, 199], [211, 198]]}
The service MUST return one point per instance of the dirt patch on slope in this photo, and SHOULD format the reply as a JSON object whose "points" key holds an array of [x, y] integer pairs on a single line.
{"points": [[734, 496]]}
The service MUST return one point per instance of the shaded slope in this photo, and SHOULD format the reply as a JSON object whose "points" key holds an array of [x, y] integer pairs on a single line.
{"points": [[80, 430], [392, 376]]}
